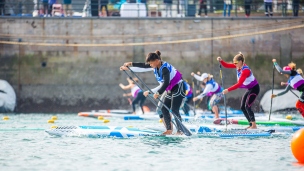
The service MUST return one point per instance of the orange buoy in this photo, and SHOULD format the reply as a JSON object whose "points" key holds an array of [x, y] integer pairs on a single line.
{"points": [[297, 145], [146, 109]]}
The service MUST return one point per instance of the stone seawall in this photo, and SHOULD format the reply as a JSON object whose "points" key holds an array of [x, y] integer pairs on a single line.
{"points": [[72, 64]]}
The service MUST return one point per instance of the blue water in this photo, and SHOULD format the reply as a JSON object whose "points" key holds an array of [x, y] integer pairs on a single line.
{"points": [[26, 147]]}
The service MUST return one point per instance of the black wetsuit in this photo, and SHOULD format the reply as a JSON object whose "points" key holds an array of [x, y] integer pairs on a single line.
{"points": [[174, 97]]}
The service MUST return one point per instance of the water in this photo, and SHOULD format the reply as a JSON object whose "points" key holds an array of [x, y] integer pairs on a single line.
{"points": [[25, 146]]}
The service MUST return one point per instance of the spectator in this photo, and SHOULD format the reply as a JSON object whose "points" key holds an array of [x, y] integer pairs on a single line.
{"points": [[202, 5], [227, 4], [182, 8], [168, 7], [247, 7], [146, 5], [104, 3], [2, 3], [95, 8], [295, 7], [268, 5], [67, 8], [45, 7], [51, 3]]}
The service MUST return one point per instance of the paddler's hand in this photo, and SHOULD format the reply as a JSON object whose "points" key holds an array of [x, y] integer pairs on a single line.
{"points": [[192, 73], [123, 68], [198, 73], [195, 99], [225, 91], [219, 59], [283, 84], [127, 64], [273, 96], [146, 93], [274, 60], [124, 95], [156, 95]]}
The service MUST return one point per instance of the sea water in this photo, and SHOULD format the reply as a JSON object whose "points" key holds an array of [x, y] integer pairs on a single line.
{"points": [[26, 147]]}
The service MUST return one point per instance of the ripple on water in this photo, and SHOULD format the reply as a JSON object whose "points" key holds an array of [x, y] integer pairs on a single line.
{"points": [[35, 150]]}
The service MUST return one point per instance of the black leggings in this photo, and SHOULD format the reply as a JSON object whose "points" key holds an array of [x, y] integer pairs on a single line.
{"points": [[173, 101], [140, 98], [247, 9], [301, 89], [186, 106], [295, 9], [202, 6], [247, 100]]}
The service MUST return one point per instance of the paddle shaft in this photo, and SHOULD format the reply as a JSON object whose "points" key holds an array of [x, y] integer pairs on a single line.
{"points": [[194, 94], [177, 120], [270, 110], [294, 94], [226, 123]]}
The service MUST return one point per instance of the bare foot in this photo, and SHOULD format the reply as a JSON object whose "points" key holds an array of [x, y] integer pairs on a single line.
{"points": [[168, 132]]}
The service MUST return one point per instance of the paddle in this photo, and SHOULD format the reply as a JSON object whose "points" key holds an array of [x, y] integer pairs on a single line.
{"points": [[194, 94], [271, 93], [183, 128], [294, 94], [224, 95], [151, 98]]}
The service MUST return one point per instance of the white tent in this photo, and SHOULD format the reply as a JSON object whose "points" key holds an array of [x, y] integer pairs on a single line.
{"points": [[287, 100]]}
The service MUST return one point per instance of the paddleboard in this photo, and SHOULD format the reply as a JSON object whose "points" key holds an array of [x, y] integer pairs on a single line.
{"points": [[222, 121], [100, 131]]}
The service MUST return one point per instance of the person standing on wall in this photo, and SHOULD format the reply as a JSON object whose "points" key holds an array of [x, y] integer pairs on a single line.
{"points": [[202, 5], [45, 7], [268, 6], [295, 7], [67, 8], [104, 3], [227, 6], [168, 7], [2, 3], [51, 3], [247, 7]]}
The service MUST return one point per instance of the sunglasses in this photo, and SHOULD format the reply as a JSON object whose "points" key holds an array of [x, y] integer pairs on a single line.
{"points": [[235, 62]]}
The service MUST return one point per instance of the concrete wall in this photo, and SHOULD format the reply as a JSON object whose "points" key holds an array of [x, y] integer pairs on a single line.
{"points": [[72, 65]]}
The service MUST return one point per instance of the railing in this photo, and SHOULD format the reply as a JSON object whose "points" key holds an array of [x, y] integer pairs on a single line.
{"points": [[153, 8]]}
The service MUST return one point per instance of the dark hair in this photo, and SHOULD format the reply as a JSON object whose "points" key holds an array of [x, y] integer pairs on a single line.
{"points": [[240, 57], [153, 56]]}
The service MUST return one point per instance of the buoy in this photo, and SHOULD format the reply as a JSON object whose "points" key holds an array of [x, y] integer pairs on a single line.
{"points": [[5, 118], [297, 145], [289, 117], [54, 118], [51, 121], [146, 109], [106, 121], [160, 121], [53, 127], [100, 118]]}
